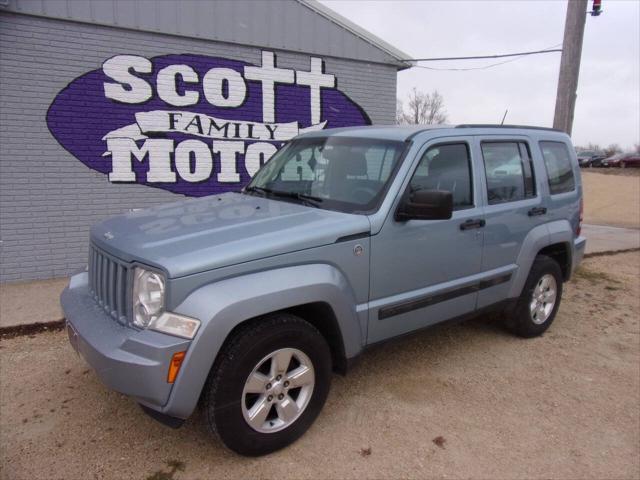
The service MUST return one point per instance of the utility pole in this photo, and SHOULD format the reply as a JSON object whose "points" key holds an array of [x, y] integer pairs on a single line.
{"points": [[570, 65]]}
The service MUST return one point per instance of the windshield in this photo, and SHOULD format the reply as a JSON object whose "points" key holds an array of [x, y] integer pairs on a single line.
{"points": [[336, 173]]}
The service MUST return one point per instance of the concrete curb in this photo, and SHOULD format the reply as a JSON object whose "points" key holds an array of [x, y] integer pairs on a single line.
{"points": [[31, 329], [607, 253]]}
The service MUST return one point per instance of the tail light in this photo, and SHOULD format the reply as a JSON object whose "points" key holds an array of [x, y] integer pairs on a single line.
{"points": [[579, 229]]}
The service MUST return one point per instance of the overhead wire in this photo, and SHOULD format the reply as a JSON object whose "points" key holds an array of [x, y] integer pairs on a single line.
{"points": [[517, 56]]}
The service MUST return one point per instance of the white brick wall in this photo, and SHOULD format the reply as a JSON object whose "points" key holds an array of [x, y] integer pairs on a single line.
{"points": [[48, 199]]}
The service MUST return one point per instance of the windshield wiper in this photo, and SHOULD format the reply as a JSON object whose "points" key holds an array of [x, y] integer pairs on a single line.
{"points": [[302, 197], [263, 191]]}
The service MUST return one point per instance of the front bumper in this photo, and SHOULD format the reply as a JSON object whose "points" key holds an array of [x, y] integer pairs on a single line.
{"points": [[129, 361]]}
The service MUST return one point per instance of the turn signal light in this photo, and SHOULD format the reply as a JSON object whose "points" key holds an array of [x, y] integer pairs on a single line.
{"points": [[174, 366]]}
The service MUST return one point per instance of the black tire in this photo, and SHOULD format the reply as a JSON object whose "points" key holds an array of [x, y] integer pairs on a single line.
{"points": [[520, 321], [623, 165], [223, 392]]}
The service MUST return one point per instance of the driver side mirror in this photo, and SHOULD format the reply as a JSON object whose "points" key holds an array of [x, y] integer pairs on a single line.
{"points": [[425, 205]]}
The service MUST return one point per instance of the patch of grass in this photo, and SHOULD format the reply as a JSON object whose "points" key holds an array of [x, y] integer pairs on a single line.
{"points": [[174, 466]]}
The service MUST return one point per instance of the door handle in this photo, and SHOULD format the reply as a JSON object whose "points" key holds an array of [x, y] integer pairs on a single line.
{"points": [[472, 223], [537, 211]]}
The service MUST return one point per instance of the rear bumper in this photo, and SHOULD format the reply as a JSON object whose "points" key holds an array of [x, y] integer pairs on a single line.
{"points": [[579, 245], [126, 360]]}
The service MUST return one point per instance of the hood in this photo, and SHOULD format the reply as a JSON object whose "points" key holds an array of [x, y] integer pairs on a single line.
{"points": [[201, 234]]}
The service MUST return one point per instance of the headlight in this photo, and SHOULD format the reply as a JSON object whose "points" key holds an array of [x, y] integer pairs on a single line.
{"points": [[148, 296], [148, 307]]}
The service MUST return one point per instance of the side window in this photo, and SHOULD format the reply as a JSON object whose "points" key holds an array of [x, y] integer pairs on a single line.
{"points": [[558, 164], [509, 171], [446, 167]]}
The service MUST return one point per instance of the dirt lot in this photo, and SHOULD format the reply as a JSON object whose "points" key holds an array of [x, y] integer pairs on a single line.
{"points": [[561, 406], [612, 196]]}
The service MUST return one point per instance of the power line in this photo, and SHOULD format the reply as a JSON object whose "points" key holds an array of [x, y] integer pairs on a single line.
{"points": [[479, 57], [484, 67]]}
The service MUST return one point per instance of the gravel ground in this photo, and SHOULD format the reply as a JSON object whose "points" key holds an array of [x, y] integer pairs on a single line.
{"points": [[612, 196], [457, 401], [624, 172]]}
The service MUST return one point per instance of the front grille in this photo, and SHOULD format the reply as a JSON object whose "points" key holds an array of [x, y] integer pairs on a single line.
{"points": [[108, 283]]}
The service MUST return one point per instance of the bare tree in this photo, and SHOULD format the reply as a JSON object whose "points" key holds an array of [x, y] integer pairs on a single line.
{"points": [[612, 149], [399, 112], [594, 147], [425, 108], [636, 147]]}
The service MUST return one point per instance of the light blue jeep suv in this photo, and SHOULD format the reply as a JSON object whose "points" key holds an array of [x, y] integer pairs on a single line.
{"points": [[246, 302]]}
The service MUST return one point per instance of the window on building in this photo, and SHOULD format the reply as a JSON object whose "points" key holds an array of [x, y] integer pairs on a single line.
{"points": [[509, 171], [558, 164], [446, 167]]}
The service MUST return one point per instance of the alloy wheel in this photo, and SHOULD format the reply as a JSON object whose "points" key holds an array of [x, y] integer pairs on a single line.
{"points": [[278, 390], [543, 299]]}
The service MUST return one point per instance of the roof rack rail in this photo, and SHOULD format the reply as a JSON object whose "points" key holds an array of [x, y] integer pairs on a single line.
{"points": [[417, 132], [490, 125]]}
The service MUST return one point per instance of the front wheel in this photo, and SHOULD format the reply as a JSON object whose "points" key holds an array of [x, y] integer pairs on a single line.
{"points": [[623, 165], [539, 301], [268, 385]]}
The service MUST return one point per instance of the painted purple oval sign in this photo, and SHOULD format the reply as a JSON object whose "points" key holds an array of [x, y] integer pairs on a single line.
{"points": [[193, 124]]}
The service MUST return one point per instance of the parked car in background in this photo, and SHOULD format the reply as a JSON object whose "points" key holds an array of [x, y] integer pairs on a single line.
{"points": [[612, 160], [589, 158], [629, 160]]}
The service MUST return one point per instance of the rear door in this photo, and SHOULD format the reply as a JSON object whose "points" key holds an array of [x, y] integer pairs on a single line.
{"points": [[513, 207]]}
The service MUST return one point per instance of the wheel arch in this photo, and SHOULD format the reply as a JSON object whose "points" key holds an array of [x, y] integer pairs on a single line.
{"points": [[319, 314], [318, 293], [561, 253], [553, 239]]}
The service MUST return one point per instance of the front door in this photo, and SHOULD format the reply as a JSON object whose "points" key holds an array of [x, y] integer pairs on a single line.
{"points": [[426, 271]]}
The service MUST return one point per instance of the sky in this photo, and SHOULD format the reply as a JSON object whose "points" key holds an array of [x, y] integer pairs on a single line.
{"points": [[608, 103]]}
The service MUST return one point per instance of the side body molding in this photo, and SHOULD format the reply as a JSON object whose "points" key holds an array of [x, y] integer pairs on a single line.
{"points": [[223, 305]]}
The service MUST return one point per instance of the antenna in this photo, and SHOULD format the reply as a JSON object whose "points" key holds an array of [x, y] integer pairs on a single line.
{"points": [[504, 116]]}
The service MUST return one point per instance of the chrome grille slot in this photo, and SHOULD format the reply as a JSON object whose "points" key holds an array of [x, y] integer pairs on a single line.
{"points": [[108, 281]]}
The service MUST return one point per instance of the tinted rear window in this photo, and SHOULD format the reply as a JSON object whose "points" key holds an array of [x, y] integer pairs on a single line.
{"points": [[558, 164], [508, 170]]}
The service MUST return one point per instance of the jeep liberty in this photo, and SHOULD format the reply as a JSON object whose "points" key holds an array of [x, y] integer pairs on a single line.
{"points": [[246, 302]]}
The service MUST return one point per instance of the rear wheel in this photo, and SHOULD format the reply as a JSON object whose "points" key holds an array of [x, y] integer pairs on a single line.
{"points": [[268, 384], [539, 300]]}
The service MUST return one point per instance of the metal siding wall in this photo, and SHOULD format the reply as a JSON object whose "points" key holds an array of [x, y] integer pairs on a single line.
{"points": [[236, 21], [48, 199]]}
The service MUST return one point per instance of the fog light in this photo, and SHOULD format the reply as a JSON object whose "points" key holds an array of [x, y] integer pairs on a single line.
{"points": [[174, 366]]}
